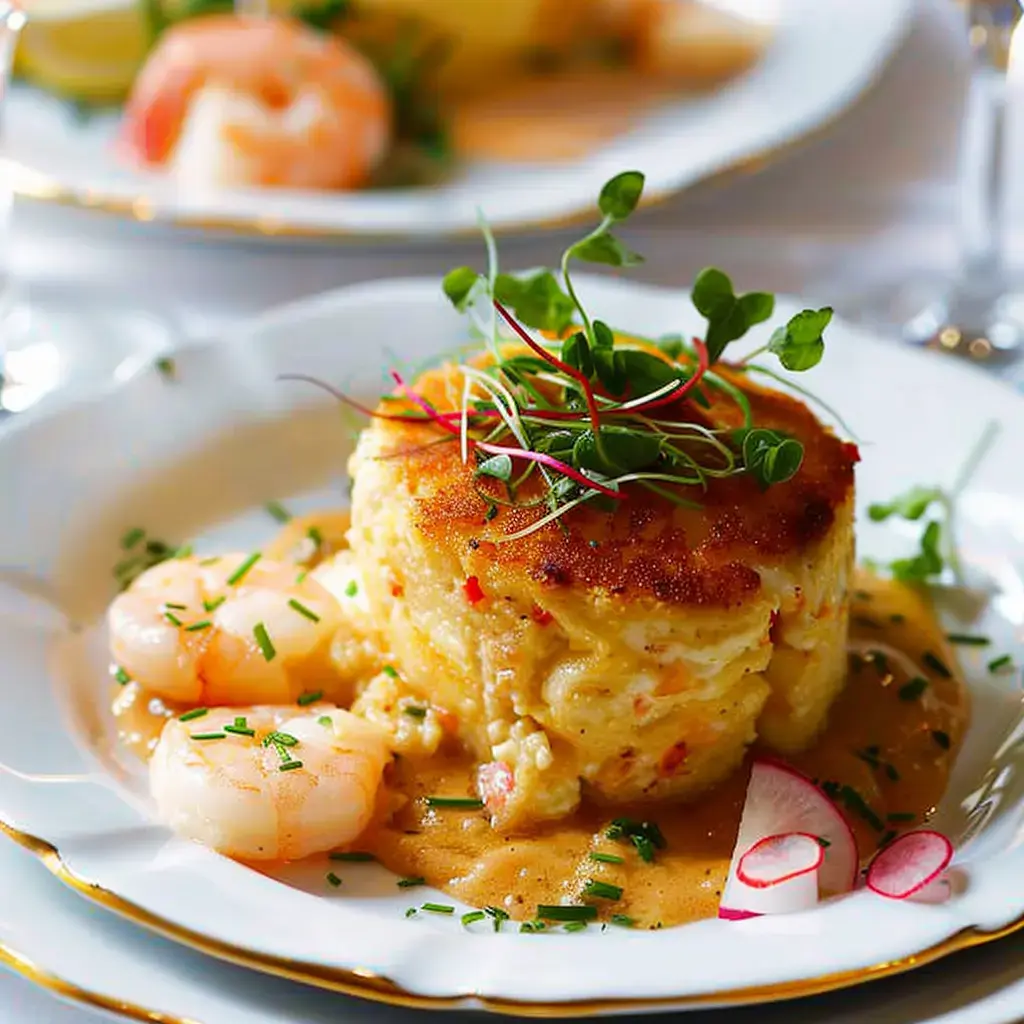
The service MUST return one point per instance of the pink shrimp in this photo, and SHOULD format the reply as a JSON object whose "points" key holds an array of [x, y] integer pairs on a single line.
{"points": [[236, 100]]}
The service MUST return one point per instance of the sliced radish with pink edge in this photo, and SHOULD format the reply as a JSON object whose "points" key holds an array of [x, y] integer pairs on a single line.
{"points": [[780, 800], [777, 859], [911, 867]]}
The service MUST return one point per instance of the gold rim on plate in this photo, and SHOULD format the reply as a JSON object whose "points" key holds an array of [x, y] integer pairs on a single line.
{"points": [[367, 984]]}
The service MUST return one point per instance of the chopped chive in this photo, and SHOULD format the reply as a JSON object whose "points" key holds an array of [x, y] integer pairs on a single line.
{"points": [[277, 511], [411, 912], [438, 908], [239, 730], [303, 610], [415, 712], [941, 738], [823, 842], [465, 803], [644, 847], [194, 713], [212, 606], [208, 735], [302, 575], [333, 879], [913, 689], [176, 607], [263, 639], [472, 917], [968, 640], [165, 367], [856, 803], [351, 856], [197, 626], [623, 921], [173, 619], [309, 697], [575, 912], [240, 573], [602, 890], [390, 671], [575, 926], [606, 858], [289, 766], [998, 664], [122, 677], [212, 560], [936, 665], [900, 816], [411, 882], [897, 619], [500, 916], [132, 537], [185, 551], [280, 739], [531, 926], [314, 534], [241, 722], [891, 773], [351, 588], [867, 757], [325, 720]]}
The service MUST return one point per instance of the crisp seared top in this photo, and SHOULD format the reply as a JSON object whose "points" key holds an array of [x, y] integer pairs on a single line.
{"points": [[647, 546]]}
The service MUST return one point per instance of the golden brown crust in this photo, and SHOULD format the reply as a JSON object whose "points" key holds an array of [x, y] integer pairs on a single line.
{"points": [[648, 547]]}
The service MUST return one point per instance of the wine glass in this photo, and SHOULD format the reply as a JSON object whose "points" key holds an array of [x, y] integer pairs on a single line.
{"points": [[973, 312], [56, 337]]}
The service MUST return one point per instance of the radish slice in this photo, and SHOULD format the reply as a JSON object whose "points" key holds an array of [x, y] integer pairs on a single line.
{"points": [[912, 866], [781, 801], [778, 859]]}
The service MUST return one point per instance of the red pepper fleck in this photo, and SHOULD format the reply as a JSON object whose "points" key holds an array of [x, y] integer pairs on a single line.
{"points": [[641, 705], [540, 616], [672, 759], [474, 594]]}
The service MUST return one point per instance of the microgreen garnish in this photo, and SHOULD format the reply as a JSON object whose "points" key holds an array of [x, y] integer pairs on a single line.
{"points": [[124, 679], [266, 646], [309, 697], [602, 890], [937, 548], [351, 856], [1000, 664], [277, 511], [968, 639], [913, 689], [188, 716], [333, 879], [438, 908], [465, 803], [941, 738], [560, 912], [411, 882], [240, 573], [606, 858], [305, 612]]}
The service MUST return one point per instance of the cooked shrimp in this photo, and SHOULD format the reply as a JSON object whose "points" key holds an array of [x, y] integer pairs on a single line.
{"points": [[259, 788], [258, 101], [227, 630]]}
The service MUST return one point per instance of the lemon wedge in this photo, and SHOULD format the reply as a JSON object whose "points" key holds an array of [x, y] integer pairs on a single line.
{"points": [[86, 50]]}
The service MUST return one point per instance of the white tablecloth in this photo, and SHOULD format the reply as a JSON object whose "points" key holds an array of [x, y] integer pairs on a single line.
{"points": [[871, 199]]}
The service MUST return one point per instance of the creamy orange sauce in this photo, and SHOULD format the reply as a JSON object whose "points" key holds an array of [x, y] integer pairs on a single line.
{"points": [[885, 758]]}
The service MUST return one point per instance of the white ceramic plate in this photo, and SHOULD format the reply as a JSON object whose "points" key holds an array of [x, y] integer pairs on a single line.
{"points": [[58, 941], [198, 456], [826, 53]]}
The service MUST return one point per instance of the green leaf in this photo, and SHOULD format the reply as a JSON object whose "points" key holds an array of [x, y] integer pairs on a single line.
{"points": [[756, 306], [497, 466], [910, 505], [558, 443], [607, 249], [537, 301], [603, 336], [609, 371], [729, 316], [730, 326], [671, 345], [927, 563], [576, 352], [620, 195], [458, 285], [712, 293], [645, 372], [770, 456], [799, 345], [624, 451]]}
